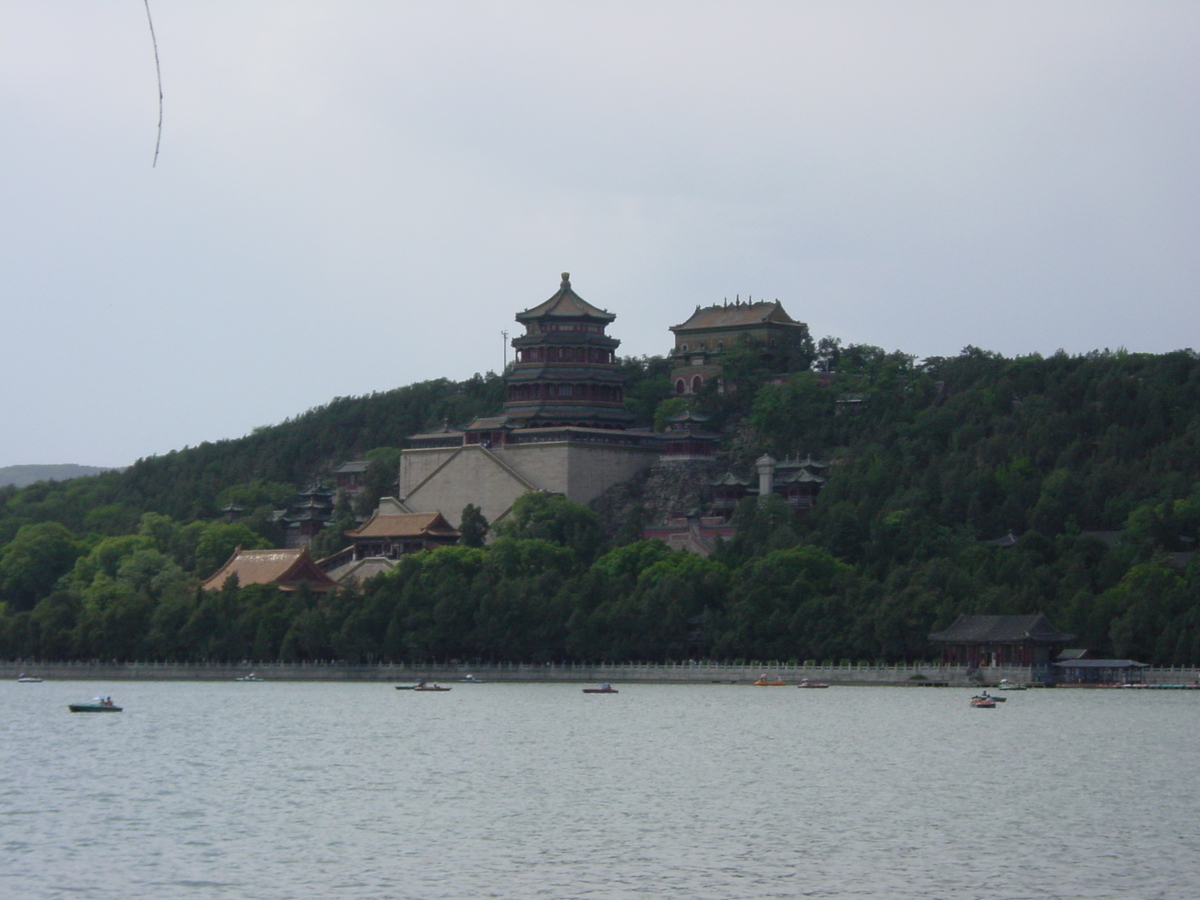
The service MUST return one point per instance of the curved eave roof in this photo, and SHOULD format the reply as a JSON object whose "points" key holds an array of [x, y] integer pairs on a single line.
{"points": [[1034, 628], [739, 315], [565, 304], [564, 372]]}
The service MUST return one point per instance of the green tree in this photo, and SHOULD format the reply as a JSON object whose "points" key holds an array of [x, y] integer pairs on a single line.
{"points": [[554, 518], [219, 540], [33, 561], [474, 527]]}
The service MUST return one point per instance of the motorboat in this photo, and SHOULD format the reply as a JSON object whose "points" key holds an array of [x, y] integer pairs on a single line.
{"points": [[431, 687], [250, 677], [1006, 685], [470, 679], [96, 704], [28, 679], [805, 683], [983, 702], [605, 688]]}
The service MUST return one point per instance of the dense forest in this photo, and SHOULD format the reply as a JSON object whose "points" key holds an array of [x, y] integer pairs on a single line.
{"points": [[1087, 466]]}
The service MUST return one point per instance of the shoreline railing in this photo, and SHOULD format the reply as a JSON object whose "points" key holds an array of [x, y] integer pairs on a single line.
{"points": [[914, 674]]}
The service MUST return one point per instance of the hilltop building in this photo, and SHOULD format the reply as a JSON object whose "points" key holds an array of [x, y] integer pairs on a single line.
{"points": [[378, 543], [563, 427], [286, 569], [306, 516], [349, 478], [711, 330]]}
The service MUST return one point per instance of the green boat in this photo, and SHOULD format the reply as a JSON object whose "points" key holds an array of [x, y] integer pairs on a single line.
{"points": [[97, 704]]}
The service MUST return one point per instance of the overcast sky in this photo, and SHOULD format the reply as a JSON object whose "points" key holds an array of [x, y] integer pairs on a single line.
{"points": [[350, 197]]}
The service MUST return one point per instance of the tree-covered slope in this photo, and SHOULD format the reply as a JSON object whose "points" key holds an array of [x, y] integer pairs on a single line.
{"points": [[1091, 464]]}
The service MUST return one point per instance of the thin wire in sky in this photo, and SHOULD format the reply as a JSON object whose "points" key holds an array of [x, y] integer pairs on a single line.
{"points": [[157, 72]]}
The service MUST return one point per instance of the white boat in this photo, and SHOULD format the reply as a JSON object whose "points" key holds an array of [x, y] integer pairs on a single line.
{"points": [[1006, 685], [28, 679], [250, 677]]}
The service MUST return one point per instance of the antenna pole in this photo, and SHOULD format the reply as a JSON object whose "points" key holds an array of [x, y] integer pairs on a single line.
{"points": [[504, 336]]}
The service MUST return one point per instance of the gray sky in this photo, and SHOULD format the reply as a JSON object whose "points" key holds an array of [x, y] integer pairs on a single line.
{"points": [[351, 197]]}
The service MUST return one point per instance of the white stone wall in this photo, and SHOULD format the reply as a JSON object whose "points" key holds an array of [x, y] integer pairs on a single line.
{"points": [[447, 479]]}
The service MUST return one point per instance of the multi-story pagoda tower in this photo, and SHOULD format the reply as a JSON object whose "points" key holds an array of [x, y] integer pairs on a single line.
{"points": [[563, 428], [565, 372]]}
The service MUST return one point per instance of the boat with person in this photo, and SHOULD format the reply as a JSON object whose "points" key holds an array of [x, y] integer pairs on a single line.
{"points": [[775, 682], [28, 679], [96, 704], [422, 685], [1006, 685], [805, 683], [983, 702], [250, 677], [605, 688]]}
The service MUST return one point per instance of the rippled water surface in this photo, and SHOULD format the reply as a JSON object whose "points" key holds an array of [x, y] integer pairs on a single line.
{"points": [[279, 790]]}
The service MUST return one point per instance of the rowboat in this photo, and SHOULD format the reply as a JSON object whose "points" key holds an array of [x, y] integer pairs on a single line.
{"points": [[605, 688]]}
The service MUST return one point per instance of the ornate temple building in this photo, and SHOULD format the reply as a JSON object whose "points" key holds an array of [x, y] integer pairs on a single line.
{"points": [[711, 330], [563, 428], [566, 367], [308, 513]]}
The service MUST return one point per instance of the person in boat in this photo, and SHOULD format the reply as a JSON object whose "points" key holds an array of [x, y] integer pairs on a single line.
{"points": [[606, 686], [420, 682]]}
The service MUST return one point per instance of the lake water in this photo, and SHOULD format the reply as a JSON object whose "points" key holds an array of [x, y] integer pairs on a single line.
{"points": [[286, 790]]}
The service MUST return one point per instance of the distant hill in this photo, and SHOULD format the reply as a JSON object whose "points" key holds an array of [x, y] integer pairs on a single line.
{"points": [[23, 475]]}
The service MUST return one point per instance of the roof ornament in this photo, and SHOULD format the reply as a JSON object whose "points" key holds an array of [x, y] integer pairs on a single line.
{"points": [[566, 282]]}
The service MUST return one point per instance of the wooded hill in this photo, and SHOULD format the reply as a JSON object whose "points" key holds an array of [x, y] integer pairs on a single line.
{"points": [[1091, 463]]}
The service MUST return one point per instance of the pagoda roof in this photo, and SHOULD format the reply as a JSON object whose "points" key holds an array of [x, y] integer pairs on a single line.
{"points": [[524, 410], [687, 416], [737, 315], [489, 423], [285, 568], [564, 372], [730, 480], [799, 477], [442, 431], [565, 304], [393, 525], [807, 463], [1035, 628], [354, 465]]}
